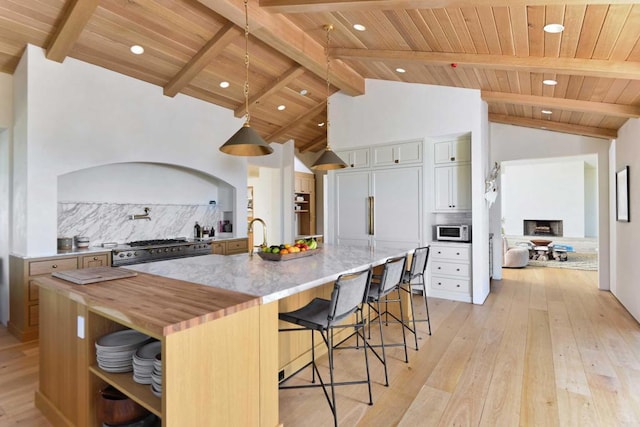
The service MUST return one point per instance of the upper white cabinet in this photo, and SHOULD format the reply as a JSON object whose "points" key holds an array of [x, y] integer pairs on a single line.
{"points": [[358, 158], [397, 154], [452, 188], [448, 152]]}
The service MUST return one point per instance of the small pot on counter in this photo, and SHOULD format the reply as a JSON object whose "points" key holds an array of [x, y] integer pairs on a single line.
{"points": [[82, 242], [65, 243]]}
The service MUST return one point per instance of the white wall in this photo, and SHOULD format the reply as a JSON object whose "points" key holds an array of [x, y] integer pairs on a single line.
{"points": [[267, 204], [518, 143], [393, 111], [544, 191], [80, 116], [6, 119], [626, 268]]}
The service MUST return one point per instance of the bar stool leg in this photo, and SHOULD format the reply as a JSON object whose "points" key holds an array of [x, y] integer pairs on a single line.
{"points": [[384, 357], [404, 336]]}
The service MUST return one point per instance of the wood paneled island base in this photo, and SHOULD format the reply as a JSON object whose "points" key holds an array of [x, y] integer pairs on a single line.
{"points": [[217, 362]]}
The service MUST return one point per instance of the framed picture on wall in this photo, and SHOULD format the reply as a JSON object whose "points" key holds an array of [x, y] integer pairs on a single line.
{"points": [[622, 195]]}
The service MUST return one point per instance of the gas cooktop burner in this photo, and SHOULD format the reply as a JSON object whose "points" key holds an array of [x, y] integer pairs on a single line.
{"points": [[156, 242]]}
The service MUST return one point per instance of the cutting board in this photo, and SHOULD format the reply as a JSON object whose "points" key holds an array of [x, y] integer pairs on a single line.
{"points": [[93, 275]]}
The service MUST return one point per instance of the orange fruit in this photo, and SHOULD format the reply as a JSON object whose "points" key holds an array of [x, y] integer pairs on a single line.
{"points": [[284, 251]]}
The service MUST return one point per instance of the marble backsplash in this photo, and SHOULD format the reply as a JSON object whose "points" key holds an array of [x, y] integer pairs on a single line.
{"points": [[111, 222]]}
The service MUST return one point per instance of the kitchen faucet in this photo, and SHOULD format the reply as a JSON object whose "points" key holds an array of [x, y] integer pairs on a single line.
{"points": [[142, 216], [264, 230]]}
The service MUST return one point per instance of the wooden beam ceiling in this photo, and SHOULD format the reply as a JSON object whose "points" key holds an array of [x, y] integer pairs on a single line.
{"points": [[554, 126], [300, 120], [316, 144], [570, 66], [210, 50], [282, 35], [274, 87], [310, 6], [562, 103], [75, 19]]}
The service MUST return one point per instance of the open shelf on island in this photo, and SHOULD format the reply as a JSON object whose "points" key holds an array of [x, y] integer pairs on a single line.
{"points": [[139, 393]]}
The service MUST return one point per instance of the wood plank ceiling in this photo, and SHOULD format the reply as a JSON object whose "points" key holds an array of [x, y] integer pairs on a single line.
{"points": [[498, 47]]}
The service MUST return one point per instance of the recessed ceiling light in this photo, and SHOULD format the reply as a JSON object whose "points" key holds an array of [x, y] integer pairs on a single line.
{"points": [[546, 112], [549, 82], [321, 124], [137, 49], [359, 27], [401, 70], [224, 85], [303, 92], [281, 107], [554, 28]]}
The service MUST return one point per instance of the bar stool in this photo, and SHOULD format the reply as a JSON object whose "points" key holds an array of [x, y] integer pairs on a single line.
{"points": [[416, 271], [347, 298], [381, 288]]}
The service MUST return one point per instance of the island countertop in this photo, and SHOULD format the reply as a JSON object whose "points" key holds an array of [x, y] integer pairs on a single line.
{"points": [[270, 280]]}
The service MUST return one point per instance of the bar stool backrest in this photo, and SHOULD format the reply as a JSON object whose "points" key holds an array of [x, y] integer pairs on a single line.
{"points": [[392, 274], [419, 262], [349, 291]]}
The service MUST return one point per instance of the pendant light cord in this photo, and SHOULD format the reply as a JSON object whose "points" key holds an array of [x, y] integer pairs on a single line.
{"points": [[246, 62]]}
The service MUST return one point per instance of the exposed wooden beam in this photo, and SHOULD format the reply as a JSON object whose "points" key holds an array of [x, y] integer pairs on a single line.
{"points": [[269, 90], [75, 18], [320, 141], [282, 35], [571, 66], [203, 58], [301, 119], [554, 126], [310, 6], [617, 110]]}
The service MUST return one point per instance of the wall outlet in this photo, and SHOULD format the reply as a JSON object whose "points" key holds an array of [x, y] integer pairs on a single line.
{"points": [[81, 327]]}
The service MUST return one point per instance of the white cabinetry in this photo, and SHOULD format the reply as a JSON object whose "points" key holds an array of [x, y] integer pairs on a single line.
{"points": [[356, 159], [448, 152], [452, 188], [380, 203], [452, 175], [397, 154], [379, 207], [450, 271]]}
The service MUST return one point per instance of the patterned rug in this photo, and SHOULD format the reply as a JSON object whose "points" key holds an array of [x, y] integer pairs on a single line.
{"points": [[575, 261]]}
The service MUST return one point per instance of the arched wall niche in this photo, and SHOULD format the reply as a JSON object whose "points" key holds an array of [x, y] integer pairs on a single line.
{"points": [[98, 201]]}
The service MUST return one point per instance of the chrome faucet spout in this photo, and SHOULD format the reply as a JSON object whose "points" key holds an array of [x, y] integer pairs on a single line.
{"points": [[264, 232]]}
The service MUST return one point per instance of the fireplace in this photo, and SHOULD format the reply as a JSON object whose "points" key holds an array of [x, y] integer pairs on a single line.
{"points": [[540, 227]]}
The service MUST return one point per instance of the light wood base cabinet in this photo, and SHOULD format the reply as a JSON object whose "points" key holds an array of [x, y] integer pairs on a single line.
{"points": [[207, 368], [24, 296], [230, 247]]}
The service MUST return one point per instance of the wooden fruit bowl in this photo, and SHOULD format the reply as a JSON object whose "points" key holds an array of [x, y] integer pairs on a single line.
{"points": [[279, 257]]}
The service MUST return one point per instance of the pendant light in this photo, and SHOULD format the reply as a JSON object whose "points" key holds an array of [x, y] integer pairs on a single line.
{"points": [[246, 141], [328, 160]]}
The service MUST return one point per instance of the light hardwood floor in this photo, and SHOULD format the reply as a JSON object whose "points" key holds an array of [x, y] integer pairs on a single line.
{"points": [[547, 348]]}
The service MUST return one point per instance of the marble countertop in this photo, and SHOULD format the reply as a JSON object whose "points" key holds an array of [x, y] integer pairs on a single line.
{"points": [[270, 280]]}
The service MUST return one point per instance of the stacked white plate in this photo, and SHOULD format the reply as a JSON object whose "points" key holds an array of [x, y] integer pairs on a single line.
{"points": [[114, 351], [143, 360], [156, 376]]}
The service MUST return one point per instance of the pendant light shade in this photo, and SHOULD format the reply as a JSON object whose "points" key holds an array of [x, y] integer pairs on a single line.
{"points": [[328, 160], [246, 141]]}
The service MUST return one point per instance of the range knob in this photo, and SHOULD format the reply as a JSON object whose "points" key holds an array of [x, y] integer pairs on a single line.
{"points": [[166, 249], [173, 249], [135, 254], [180, 248], [128, 253], [121, 255]]}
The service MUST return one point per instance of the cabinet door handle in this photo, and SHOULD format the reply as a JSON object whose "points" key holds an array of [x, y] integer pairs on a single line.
{"points": [[371, 220], [457, 269], [453, 159], [439, 268], [457, 286], [95, 258], [396, 161], [54, 266], [351, 164]]}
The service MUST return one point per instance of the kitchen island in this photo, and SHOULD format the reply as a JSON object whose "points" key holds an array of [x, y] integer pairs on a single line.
{"points": [[217, 318]]}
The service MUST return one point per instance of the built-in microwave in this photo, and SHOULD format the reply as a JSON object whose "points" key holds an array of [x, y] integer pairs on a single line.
{"points": [[455, 233]]}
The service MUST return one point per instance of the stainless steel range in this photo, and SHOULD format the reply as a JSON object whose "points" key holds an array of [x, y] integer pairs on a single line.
{"points": [[155, 250]]}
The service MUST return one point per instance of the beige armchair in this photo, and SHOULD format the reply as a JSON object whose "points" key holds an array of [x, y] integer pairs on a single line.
{"points": [[515, 256]]}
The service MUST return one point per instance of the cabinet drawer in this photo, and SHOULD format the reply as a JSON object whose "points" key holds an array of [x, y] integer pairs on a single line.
{"points": [[90, 261], [34, 314], [451, 253], [218, 248], [236, 246], [33, 291], [47, 267], [449, 284], [450, 269]]}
